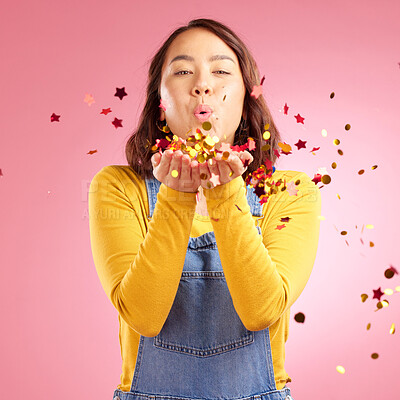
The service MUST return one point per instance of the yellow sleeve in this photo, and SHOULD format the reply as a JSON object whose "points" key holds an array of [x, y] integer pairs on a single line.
{"points": [[266, 273], [139, 271]]}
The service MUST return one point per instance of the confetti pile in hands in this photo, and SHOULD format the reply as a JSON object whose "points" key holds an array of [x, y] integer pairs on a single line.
{"points": [[201, 147]]}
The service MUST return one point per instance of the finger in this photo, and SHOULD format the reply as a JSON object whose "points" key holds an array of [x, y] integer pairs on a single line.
{"points": [[236, 166], [155, 159], [205, 175], [225, 172], [175, 165], [195, 171], [213, 167], [246, 156], [163, 168], [185, 177]]}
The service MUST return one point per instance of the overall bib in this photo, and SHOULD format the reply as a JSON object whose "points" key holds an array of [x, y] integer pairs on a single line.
{"points": [[203, 350]]}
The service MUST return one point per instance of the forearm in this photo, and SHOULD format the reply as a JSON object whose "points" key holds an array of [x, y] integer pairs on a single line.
{"points": [[255, 285]]}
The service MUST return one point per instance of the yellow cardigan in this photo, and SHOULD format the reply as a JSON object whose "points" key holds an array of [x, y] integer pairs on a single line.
{"points": [[265, 273]]}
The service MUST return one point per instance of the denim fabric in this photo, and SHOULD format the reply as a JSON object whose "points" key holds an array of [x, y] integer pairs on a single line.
{"points": [[203, 350]]}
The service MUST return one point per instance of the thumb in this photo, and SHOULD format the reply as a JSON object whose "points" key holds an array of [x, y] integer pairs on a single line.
{"points": [[155, 159]]}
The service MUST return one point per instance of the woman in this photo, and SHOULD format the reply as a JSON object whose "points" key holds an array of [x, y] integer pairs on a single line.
{"points": [[202, 273]]}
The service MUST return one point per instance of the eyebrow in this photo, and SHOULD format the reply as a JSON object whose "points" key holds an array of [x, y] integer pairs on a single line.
{"points": [[213, 58]]}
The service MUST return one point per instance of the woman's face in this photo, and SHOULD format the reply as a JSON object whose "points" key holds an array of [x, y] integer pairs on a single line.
{"points": [[217, 83]]}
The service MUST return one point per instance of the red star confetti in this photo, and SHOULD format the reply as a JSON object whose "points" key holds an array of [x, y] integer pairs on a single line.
{"points": [[1, 172], [299, 119], [279, 227], [257, 90], [285, 109], [91, 152], [55, 117], [286, 219], [317, 178], [105, 111], [117, 123], [120, 93], [300, 145], [378, 294], [314, 149], [89, 99]]}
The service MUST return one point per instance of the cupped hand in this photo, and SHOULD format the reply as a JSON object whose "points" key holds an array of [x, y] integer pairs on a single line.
{"points": [[226, 170], [188, 178]]}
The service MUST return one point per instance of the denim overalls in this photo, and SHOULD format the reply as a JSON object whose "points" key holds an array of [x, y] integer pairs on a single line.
{"points": [[203, 350]]}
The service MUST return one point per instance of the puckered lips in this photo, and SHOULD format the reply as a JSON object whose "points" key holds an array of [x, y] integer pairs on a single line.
{"points": [[202, 112]]}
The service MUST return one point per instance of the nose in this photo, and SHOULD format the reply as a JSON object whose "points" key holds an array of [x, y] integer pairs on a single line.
{"points": [[201, 87], [201, 90]]}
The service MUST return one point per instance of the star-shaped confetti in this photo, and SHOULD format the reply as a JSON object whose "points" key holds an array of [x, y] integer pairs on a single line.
{"points": [[378, 294], [299, 119], [120, 93], [257, 90], [105, 111], [300, 144], [251, 143], [55, 117], [117, 123], [285, 109], [215, 179], [89, 99]]}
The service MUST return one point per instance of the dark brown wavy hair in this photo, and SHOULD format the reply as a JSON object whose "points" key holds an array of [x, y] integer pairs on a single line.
{"points": [[138, 147]]}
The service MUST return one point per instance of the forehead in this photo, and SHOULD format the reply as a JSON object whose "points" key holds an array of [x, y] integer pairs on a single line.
{"points": [[200, 44]]}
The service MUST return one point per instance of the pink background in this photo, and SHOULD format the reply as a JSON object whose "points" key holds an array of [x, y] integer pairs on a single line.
{"points": [[60, 332]]}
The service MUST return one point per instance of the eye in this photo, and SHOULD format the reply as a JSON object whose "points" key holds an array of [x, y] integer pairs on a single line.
{"points": [[179, 72]]}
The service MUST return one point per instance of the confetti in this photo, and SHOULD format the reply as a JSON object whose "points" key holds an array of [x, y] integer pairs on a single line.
{"points": [[105, 111], [164, 104], [300, 144], [257, 90], [117, 123], [55, 117], [340, 369], [285, 109], [89, 99], [300, 317], [378, 294], [91, 152], [215, 179], [120, 93], [299, 119]]}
